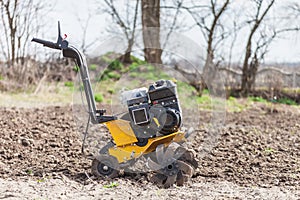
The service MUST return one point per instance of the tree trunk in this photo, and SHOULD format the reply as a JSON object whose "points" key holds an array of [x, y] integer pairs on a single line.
{"points": [[250, 76], [249, 70], [126, 58], [151, 30], [245, 76], [209, 76]]}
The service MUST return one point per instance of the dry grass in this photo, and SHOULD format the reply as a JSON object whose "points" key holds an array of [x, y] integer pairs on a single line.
{"points": [[48, 95]]}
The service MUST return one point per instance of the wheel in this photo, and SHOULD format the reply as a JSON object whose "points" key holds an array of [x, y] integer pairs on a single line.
{"points": [[105, 166]]}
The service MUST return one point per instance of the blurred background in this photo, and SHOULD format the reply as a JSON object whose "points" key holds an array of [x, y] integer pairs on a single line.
{"points": [[253, 45]]}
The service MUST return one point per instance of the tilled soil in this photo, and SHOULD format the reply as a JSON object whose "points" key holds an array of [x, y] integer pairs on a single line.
{"points": [[257, 149]]}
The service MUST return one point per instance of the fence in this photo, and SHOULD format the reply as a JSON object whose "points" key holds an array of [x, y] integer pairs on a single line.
{"points": [[269, 77]]}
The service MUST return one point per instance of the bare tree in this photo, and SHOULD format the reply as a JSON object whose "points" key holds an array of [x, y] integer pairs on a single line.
{"points": [[128, 19], [208, 18], [84, 24], [171, 17], [128, 26], [151, 30], [294, 9], [19, 20], [250, 64]]}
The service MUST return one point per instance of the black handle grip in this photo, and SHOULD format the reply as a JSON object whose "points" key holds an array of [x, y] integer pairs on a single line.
{"points": [[46, 43]]}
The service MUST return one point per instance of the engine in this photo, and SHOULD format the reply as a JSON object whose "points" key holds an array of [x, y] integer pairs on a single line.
{"points": [[155, 110]]}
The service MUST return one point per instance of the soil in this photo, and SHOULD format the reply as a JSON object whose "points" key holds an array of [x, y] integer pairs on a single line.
{"points": [[256, 156]]}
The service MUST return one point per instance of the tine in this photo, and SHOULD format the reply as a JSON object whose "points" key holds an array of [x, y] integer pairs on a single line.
{"points": [[188, 155], [158, 178], [153, 165], [185, 168], [185, 153], [171, 151], [194, 163], [185, 178], [190, 158], [189, 132], [170, 181], [160, 153], [180, 179], [180, 151]]}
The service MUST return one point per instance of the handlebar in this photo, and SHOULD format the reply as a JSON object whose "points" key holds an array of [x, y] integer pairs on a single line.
{"points": [[47, 43]]}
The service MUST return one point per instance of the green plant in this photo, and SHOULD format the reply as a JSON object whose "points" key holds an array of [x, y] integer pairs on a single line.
{"points": [[76, 68], [133, 66], [113, 75], [42, 180], [205, 91], [204, 99], [1, 77], [103, 77], [287, 101], [137, 60], [233, 105], [258, 99], [29, 171], [111, 91], [187, 94], [99, 98], [69, 84], [115, 65], [204, 102], [93, 67], [134, 74], [150, 72], [111, 185], [269, 150]]}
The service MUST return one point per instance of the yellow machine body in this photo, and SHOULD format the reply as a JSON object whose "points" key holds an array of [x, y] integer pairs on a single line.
{"points": [[125, 140], [121, 132]]}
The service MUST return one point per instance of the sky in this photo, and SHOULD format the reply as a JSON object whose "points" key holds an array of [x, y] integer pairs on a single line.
{"points": [[67, 12]]}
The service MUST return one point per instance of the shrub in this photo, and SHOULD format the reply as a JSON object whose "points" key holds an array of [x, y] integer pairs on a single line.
{"points": [[76, 68], [99, 98], [69, 84], [111, 91], [115, 65], [113, 75], [93, 67]]}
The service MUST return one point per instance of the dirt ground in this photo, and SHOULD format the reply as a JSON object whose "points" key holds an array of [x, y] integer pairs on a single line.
{"points": [[257, 156]]}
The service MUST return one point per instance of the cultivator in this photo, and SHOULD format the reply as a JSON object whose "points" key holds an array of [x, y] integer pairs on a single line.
{"points": [[151, 128]]}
